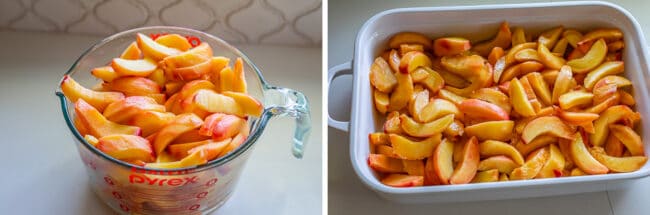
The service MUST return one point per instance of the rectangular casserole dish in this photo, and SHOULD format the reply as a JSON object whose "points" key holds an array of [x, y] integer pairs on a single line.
{"points": [[478, 23]]}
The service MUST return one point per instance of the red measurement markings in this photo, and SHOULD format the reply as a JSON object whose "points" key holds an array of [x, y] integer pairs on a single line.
{"points": [[194, 41], [124, 207], [117, 195], [109, 180], [201, 195], [194, 207], [211, 182]]}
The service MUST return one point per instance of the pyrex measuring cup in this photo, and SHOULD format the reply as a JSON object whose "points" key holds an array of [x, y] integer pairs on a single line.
{"points": [[132, 189]]}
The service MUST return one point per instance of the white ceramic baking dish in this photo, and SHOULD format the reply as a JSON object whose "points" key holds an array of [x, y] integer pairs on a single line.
{"points": [[480, 22]]}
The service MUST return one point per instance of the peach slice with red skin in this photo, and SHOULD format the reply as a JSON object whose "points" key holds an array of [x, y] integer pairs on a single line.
{"points": [[99, 100], [140, 67], [554, 165], [532, 166], [493, 96], [437, 108], [236, 141], [152, 49], [503, 39], [466, 168], [611, 115], [415, 129], [402, 93], [479, 109], [583, 159], [447, 46], [134, 86], [550, 125], [213, 102], [519, 99], [132, 52], [614, 147], [605, 69], [491, 130], [189, 136], [126, 147], [501, 163], [413, 60], [492, 148], [151, 121], [414, 150], [629, 138], [212, 148], [221, 126], [409, 38], [577, 118], [249, 105], [97, 125], [179, 125], [619, 81], [174, 41], [122, 111], [106, 73], [443, 163], [618, 164], [602, 93], [400, 180], [591, 59], [491, 175], [381, 76], [385, 164]]}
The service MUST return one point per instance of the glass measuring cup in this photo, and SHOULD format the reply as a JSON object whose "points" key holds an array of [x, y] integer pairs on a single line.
{"points": [[132, 189]]}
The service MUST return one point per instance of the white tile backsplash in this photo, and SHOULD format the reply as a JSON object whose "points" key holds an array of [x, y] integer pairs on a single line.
{"points": [[276, 22]]}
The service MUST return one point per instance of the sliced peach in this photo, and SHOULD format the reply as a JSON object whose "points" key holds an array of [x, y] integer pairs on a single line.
{"points": [[592, 58], [413, 60], [179, 125], [504, 177], [615, 46], [510, 57], [532, 166], [577, 118], [563, 83], [413, 167], [419, 75], [572, 36], [191, 72], [191, 87], [218, 64], [173, 87], [550, 75], [473, 68], [393, 123], [134, 86], [236, 141], [614, 147], [174, 41], [605, 69], [406, 48], [560, 46], [455, 129], [443, 163], [518, 36], [486, 176], [106, 73], [493, 96], [400, 180], [74, 91], [239, 78], [574, 99], [393, 60], [466, 168], [583, 158], [611, 115], [378, 139], [542, 91], [212, 148], [123, 110], [519, 99], [629, 138], [520, 69], [386, 150], [409, 38], [492, 148], [546, 125], [609, 102], [417, 103], [550, 37], [479, 109], [249, 105], [153, 49], [197, 55], [165, 157], [80, 126], [383, 163], [450, 96], [602, 93], [213, 102], [173, 104], [97, 125], [132, 52], [627, 98], [503, 39], [434, 82], [554, 165], [140, 68], [430, 175], [527, 55], [416, 129], [221, 126], [446, 46], [539, 142], [577, 172], [611, 34], [452, 79], [193, 159], [413, 150], [496, 54], [491, 130], [619, 81], [189, 136], [381, 101], [402, 93], [618, 164], [437, 108], [126, 147], [549, 59], [501, 163], [151, 121]]}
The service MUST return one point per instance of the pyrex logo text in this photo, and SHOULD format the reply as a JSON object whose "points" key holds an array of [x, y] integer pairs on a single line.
{"points": [[143, 179]]}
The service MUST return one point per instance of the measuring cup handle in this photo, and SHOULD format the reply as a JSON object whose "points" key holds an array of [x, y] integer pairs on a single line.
{"points": [[287, 102]]}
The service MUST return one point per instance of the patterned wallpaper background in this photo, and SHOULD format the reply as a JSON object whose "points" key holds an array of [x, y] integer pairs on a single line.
{"points": [[276, 22]]}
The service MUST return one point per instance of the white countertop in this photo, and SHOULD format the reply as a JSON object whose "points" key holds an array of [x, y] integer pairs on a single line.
{"points": [[348, 195], [42, 170]]}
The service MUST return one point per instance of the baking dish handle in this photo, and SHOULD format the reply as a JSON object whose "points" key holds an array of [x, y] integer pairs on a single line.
{"points": [[332, 73]]}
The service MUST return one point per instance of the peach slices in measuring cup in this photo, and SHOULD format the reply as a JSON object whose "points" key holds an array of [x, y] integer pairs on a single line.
{"points": [[165, 104]]}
